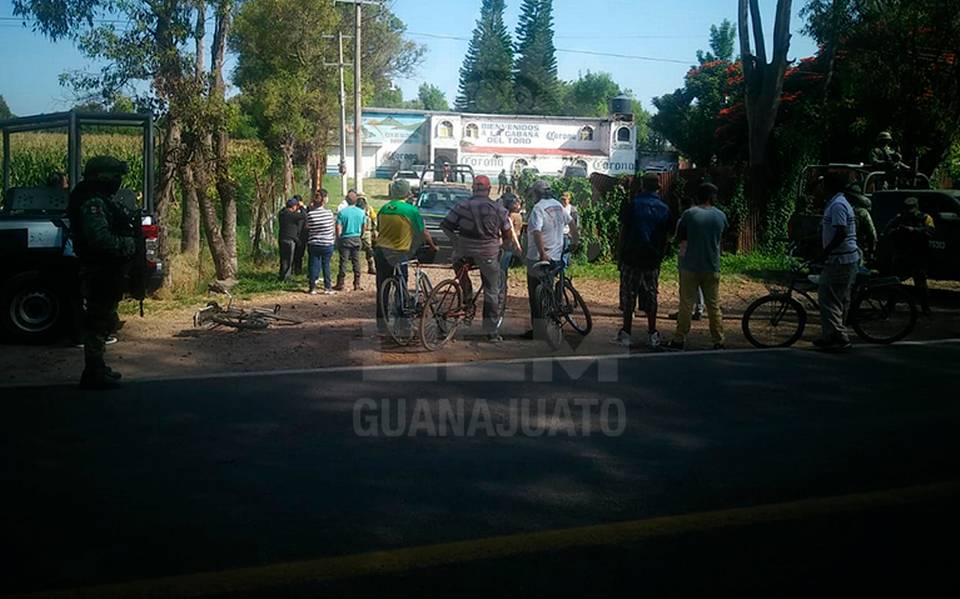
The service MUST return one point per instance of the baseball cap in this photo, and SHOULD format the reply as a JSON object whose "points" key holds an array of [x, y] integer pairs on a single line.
{"points": [[481, 182], [293, 201], [399, 189], [104, 167], [911, 203]]}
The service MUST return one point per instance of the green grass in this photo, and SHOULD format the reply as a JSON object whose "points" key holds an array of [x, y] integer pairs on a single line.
{"points": [[759, 266]]}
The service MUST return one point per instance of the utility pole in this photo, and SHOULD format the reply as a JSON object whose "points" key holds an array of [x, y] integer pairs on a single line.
{"points": [[357, 108], [357, 101], [343, 121]]}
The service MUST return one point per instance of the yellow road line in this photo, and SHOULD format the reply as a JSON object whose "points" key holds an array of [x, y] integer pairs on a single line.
{"points": [[402, 560]]}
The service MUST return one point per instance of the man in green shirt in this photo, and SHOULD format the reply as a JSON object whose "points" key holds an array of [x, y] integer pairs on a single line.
{"points": [[400, 231]]}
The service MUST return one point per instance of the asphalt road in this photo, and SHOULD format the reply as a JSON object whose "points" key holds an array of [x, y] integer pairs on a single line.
{"points": [[690, 485]]}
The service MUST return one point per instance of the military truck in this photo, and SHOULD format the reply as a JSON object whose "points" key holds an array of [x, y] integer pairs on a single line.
{"points": [[886, 195], [39, 285]]}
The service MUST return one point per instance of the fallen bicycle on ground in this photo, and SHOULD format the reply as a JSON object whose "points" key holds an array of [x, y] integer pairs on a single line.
{"points": [[214, 315]]}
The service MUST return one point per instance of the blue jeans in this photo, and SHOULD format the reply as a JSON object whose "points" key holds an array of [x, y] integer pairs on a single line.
{"points": [[320, 258]]}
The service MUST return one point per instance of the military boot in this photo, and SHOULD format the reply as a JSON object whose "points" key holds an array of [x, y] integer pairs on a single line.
{"points": [[339, 285]]}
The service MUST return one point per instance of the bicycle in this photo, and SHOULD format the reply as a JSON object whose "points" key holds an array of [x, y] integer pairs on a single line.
{"points": [[214, 315], [560, 302], [881, 311], [399, 306], [446, 309]]}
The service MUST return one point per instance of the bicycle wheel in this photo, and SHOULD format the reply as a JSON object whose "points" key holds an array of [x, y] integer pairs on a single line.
{"points": [[774, 321], [442, 315], [883, 314], [575, 310], [394, 313], [552, 320], [246, 322]]}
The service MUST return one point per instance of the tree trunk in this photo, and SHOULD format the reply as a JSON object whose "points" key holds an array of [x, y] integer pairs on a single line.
{"points": [[166, 180], [190, 214], [211, 225], [225, 187], [763, 88], [286, 149]]}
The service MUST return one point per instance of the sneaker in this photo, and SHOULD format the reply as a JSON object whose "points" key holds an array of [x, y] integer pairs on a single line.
{"points": [[675, 345], [329, 292], [494, 338], [623, 339], [655, 340], [313, 292]]}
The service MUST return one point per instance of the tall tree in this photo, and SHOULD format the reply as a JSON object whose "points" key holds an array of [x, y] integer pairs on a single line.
{"points": [[723, 38], [535, 82], [589, 95], [432, 98], [4, 109], [486, 75], [764, 85]]}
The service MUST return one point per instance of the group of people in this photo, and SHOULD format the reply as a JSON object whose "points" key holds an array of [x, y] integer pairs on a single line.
{"points": [[316, 231]]}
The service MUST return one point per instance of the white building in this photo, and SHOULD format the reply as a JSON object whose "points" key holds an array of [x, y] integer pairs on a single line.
{"points": [[395, 139]]}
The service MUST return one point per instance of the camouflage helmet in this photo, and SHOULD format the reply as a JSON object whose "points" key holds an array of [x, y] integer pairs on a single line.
{"points": [[885, 136], [104, 167], [911, 203], [399, 189]]}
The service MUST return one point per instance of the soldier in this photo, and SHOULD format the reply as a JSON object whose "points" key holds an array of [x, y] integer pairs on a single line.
{"points": [[104, 239], [884, 157], [910, 233], [866, 230]]}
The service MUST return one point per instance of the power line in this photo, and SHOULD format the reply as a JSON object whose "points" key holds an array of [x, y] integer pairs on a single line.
{"points": [[586, 52]]}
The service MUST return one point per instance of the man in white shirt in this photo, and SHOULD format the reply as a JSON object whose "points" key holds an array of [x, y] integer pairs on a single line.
{"points": [[351, 195], [841, 259], [545, 241]]}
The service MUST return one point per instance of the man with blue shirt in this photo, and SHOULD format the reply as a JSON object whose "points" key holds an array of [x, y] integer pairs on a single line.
{"points": [[841, 258], [351, 222], [700, 232], [643, 241]]}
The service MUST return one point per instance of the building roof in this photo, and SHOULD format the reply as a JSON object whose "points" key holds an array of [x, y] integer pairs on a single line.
{"points": [[529, 117]]}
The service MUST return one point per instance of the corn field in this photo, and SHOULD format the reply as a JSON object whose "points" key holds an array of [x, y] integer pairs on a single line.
{"points": [[34, 157]]}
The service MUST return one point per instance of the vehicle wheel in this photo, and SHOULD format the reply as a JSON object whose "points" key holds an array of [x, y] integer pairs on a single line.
{"points": [[774, 321], [394, 313], [883, 314], [552, 324], [442, 315], [33, 308], [575, 310]]}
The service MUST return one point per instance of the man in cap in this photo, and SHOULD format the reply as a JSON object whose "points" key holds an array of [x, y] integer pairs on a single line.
{"points": [[478, 228], [910, 233], [866, 230], [400, 232], [104, 239], [545, 243]]}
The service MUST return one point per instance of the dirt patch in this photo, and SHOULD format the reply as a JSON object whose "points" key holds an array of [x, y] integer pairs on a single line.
{"points": [[340, 331]]}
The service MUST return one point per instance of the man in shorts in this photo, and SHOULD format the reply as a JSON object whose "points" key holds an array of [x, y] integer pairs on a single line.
{"points": [[644, 222]]}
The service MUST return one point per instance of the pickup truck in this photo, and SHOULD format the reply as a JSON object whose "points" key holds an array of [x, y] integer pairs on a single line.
{"points": [[943, 205], [39, 283]]}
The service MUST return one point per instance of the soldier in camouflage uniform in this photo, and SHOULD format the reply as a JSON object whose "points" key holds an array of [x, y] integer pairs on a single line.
{"points": [[104, 239], [884, 157], [910, 233], [866, 229]]}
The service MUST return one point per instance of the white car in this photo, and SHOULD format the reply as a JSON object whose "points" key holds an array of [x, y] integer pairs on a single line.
{"points": [[411, 177]]}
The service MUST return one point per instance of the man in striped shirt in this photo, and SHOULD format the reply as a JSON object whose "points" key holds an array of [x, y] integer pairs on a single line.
{"points": [[320, 240]]}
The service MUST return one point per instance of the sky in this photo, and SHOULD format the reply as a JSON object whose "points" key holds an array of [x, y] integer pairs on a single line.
{"points": [[669, 31]]}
